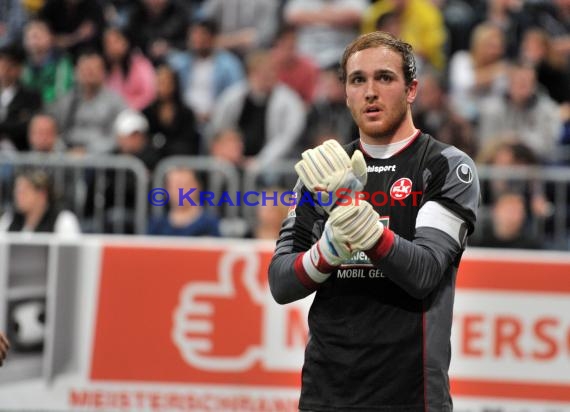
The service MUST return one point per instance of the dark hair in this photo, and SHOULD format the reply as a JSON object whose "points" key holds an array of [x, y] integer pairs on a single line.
{"points": [[126, 60], [381, 39], [177, 92], [209, 25], [13, 52], [40, 179]]}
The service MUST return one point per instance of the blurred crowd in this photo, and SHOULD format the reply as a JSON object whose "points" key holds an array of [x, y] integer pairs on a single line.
{"points": [[253, 82]]}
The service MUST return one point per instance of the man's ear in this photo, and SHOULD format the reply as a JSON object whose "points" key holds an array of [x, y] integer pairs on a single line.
{"points": [[412, 89]]}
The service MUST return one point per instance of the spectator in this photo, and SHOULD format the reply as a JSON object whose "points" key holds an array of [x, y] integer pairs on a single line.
{"points": [[554, 18], [511, 153], [511, 18], [158, 27], [77, 24], [131, 129], [203, 70], [172, 125], [270, 115], [325, 26], [435, 116], [86, 114], [48, 71], [119, 194], [17, 103], [43, 134], [479, 72], [227, 145], [421, 25], [507, 227], [298, 72], [184, 219], [36, 208], [244, 24], [130, 74], [329, 118], [525, 112], [551, 67]]}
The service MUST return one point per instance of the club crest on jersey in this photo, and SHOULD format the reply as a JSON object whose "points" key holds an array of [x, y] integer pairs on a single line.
{"points": [[464, 173], [401, 188]]}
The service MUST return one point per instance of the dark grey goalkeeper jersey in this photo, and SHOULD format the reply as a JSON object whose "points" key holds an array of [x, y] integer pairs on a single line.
{"points": [[380, 325]]}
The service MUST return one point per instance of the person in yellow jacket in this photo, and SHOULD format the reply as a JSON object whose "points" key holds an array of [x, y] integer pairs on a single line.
{"points": [[421, 25]]}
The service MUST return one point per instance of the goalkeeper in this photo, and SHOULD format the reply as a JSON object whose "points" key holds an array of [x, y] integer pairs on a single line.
{"points": [[384, 275]]}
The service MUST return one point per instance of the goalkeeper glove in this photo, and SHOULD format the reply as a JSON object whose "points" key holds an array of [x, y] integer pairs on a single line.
{"points": [[359, 225], [325, 255], [327, 168]]}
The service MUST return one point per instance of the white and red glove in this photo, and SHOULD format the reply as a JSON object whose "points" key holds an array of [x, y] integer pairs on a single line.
{"points": [[327, 168], [360, 227], [315, 265]]}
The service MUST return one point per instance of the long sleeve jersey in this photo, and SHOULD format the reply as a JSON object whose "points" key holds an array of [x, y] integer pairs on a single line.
{"points": [[380, 325]]}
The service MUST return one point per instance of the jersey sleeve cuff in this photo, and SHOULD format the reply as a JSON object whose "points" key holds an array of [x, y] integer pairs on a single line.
{"points": [[307, 273], [383, 246]]}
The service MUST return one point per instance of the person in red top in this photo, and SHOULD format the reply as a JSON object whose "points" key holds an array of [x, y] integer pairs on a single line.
{"points": [[295, 70]]}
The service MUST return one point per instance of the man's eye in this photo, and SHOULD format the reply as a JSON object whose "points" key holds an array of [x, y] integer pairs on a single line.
{"points": [[385, 78], [358, 79]]}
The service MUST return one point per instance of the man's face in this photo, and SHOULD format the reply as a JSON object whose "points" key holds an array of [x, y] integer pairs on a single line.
{"points": [[200, 40], [42, 133], [37, 38], [90, 71], [9, 71], [522, 84], [376, 91]]}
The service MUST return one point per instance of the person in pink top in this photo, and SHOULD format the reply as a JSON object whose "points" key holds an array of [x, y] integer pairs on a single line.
{"points": [[129, 72]]}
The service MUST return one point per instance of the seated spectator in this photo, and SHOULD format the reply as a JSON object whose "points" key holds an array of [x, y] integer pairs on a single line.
{"points": [[227, 145], [329, 117], [114, 197], [172, 125], [129, 73], [525, 112], [325, 27], [43, 134], [270, 115], [478, 73], [298, 72], [552, 69], [36, 208], [86, 114], [204, 71], [158, 27], [48, 71], [17, 103], [507, 227], [511, 153], [434, 115], [184, 219], [131, 129], [245, 25], [76, 24]]}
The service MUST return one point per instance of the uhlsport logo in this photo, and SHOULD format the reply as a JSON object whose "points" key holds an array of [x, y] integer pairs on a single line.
{"points": [[464, 173]]}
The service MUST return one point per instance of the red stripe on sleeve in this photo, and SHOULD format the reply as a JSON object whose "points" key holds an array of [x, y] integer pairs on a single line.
{"points": [[383, 246]]}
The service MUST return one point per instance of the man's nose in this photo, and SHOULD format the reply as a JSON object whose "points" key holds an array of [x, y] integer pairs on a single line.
{"points": [[371, 92]]}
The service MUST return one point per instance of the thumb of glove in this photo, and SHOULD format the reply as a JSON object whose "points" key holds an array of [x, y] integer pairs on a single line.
{"points": [[359, 167]]}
